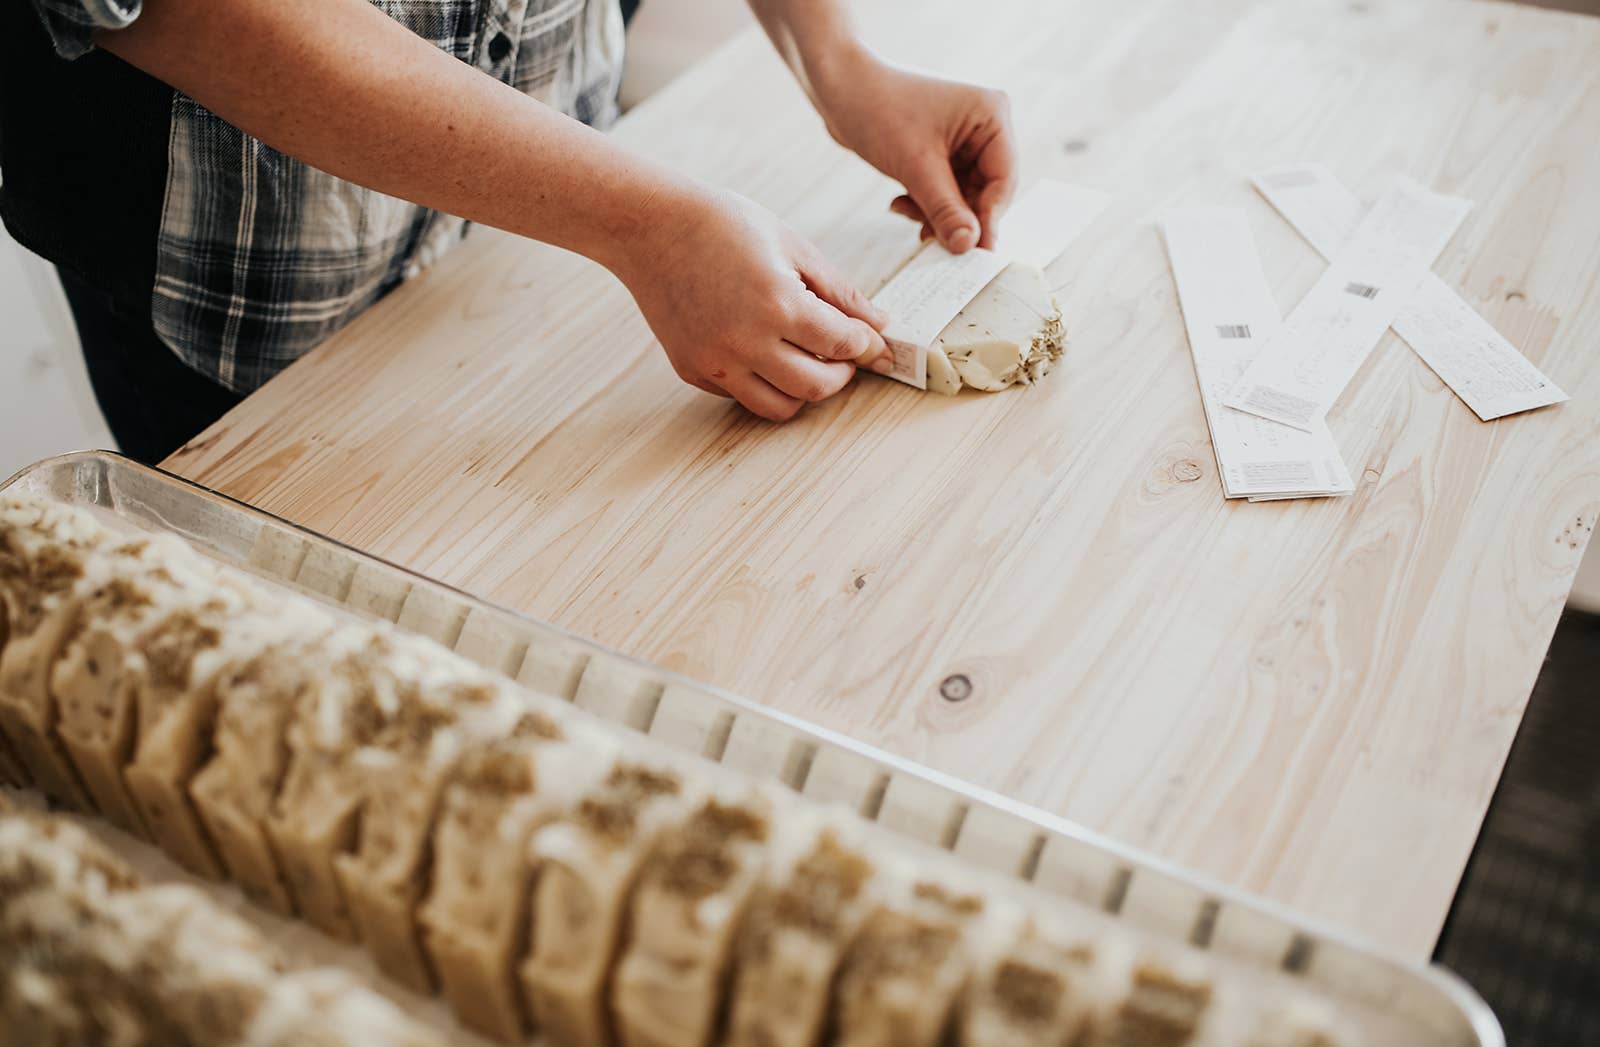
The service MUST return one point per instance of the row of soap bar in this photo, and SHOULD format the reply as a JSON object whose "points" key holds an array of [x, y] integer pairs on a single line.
{"points": [[91, 955], [544, 870]]}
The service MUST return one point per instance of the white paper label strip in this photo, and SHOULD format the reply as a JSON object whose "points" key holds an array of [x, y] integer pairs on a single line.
{"points": [[1463, 349], [931, 288], [1046, 218], [1337, 324], [1230, 314], [924, 296]]}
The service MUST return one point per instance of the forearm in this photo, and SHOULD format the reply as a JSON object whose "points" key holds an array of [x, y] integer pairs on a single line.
{"points": [[817, 40], [341, 86]]}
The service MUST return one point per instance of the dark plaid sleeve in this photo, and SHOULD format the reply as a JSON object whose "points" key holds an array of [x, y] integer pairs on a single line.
{"points": [[72, 23]]}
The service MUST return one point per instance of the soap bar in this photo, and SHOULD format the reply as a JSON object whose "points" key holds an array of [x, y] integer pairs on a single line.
{"points": [[475, 920], [588, 864], [687, 906], [89, 953], [1010, 334], [793, 939]]}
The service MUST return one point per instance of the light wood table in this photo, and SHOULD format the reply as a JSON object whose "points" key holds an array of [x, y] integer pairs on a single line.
{"points": [[1310, 700]]}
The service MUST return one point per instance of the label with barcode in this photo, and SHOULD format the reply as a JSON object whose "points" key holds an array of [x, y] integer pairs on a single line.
{"points": [[1301, 371], [1474, 360], [1228, 311]]}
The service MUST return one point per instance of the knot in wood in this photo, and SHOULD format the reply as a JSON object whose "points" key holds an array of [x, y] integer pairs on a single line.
{"points": [[956, 688], [1186, 471]]}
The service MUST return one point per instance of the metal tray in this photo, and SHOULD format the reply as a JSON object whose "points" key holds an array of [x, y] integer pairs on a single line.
{"points": [[1394, 1001]]}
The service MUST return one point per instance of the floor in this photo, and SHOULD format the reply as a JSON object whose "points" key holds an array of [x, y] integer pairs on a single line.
{"points": [[1525, 926]]}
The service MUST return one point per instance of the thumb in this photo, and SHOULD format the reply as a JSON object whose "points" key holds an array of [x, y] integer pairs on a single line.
{"points": [[933, 186]]}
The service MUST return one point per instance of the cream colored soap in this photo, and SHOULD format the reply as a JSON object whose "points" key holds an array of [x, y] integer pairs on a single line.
{"points": [[1010, 334]]}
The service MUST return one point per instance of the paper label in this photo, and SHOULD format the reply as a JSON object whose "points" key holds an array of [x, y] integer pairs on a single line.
{"points": [[1318, 349], [924, 296], [1045, 219], [1463, 349], [930, 289], [1230, 316]]}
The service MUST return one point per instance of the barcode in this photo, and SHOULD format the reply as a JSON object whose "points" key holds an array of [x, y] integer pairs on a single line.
{"points": [[1361, 290], [1233, 330]]}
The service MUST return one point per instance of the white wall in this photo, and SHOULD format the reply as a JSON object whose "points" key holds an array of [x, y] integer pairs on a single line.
{"points": [[667, 36], [46, 407]]}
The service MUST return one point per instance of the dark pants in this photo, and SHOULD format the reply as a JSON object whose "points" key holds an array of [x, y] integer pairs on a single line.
{"points": [[153, 402]]}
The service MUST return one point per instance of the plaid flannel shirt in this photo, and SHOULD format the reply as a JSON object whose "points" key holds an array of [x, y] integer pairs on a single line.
{"points": [[260, 257]]}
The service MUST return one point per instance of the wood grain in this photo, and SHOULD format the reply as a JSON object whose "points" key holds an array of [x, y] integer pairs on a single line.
{"points": [[1311, 700]]}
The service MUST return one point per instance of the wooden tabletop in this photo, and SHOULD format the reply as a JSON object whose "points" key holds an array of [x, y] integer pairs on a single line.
{"points": [[1311, 700]]}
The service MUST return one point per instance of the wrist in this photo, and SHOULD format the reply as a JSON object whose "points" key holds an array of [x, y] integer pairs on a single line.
{"points": [[656, 221], [837, 74]]}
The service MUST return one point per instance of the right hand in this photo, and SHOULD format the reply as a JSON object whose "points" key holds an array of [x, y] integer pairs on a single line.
{"points": [[746, 307]]}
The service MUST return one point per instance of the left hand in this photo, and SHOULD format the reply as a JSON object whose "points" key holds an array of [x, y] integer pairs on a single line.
{"points": [[950, 144]]}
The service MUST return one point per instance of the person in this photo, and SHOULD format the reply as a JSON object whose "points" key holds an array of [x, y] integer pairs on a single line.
{"points": [[224, 183]]}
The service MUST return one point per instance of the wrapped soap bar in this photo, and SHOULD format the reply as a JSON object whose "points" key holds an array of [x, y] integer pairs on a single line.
{"points": [[1006, 328], [588, 863], [686, 909], [1010, 334]]}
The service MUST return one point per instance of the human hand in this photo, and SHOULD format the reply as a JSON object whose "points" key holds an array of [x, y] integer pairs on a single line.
{"points": [[950, 144], [746, 307]]}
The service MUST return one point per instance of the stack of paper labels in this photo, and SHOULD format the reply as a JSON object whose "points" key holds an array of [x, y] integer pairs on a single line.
{"points": [[1267, 382]]}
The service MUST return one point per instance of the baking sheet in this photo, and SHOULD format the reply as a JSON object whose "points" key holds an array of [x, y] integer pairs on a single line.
{"points": [[1393, 1001]]}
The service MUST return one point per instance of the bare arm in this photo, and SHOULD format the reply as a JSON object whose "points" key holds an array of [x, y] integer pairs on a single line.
{"points": [[950, 144], [742, 306]]}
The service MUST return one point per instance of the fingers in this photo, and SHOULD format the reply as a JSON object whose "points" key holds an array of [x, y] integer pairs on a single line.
{"points": [[835, 320], [706, 386], [993, 199], [821, 330], [797, 373], [933, 187], [996, 172], [835, 289], [761, 398], [906, 207]]}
